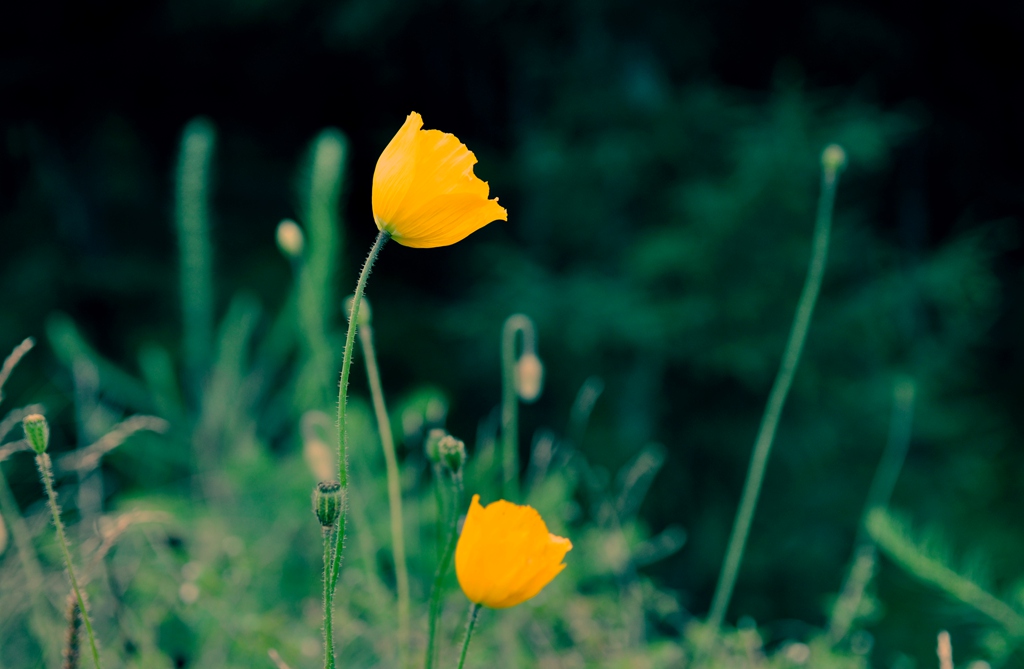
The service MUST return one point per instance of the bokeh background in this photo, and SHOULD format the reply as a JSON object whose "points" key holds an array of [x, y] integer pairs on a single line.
{"points": [[660, 165]]}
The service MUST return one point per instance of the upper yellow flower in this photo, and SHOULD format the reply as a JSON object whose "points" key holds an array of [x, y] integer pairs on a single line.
{"points": [[424, 191], [506, 554]]}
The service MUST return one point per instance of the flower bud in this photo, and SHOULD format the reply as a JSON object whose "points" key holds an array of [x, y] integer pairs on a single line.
{"points": [[290, 239], [37, 432], [833, 160], [328, 498], [365, 315], [430, 445], [529, 376], [453, 452]]}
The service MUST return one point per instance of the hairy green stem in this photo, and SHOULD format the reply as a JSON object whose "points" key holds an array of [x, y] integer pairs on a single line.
{"points": [[443, 566], [776, 400], [474, 610], [328, 609], [346, 367], [46, 474], [387, 441]]}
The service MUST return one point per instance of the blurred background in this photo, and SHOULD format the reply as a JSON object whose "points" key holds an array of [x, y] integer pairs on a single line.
{"points": [[660, 165]]}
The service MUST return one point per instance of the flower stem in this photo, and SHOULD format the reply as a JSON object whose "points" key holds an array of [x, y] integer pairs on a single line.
{"points": [[46, 474], [328, 601], [442, 570], [474, 610], [387, 441], [515, 324], [346, 367], [776, 400]]}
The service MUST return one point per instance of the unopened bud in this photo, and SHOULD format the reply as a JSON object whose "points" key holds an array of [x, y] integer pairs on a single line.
{"points": [[529, 377], [453, 452], [37, 432], [290, 239], [833, 160], [430, 445], [328, 498], [365, 315]]}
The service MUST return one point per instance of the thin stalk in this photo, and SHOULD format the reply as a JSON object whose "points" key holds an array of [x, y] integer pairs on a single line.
{"points": [[346, 367], [515, 324], [46, 473], [474, 610], [777, 399], [443, 566], [439, 501], [864, 555], [387, 441], [328, 610]]}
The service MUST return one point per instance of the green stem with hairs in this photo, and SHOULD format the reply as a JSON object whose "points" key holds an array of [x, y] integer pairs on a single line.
{"points": [[346, 368], [46, 473], [328, 610], [442, 570], [387, 441], [777, 398], [474, 610]]}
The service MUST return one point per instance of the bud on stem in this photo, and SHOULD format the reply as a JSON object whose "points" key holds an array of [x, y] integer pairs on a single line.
{"points": [[328, 500], [37, 432]]}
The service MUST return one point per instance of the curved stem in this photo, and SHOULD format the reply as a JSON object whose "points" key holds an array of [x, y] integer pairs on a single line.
{"points": [[442, 570], [46, 473], [334, 570], [346, 368], [387, 441], [474, 610], [515, 324], [776, 400], [328, 610]]}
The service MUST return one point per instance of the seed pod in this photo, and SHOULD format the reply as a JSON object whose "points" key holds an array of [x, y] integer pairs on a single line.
{"points": [[37, 432]]}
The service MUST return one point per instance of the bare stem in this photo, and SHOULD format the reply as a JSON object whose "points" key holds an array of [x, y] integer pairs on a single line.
{"points": [[777, 399], [443, 565], [387, 441], [474, 610], [515, 324]]}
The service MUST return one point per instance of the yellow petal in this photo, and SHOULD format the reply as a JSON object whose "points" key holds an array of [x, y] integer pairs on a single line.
{"points": [[424, 191], [505, 554], [446, 219], [393, 175]]}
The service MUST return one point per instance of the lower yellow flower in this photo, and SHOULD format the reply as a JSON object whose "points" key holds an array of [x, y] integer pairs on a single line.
{"points": [[424, 191], [505, 554]]}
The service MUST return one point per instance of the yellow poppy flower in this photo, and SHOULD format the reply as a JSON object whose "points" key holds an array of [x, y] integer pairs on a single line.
{"points": [[424, 191], [505, 554]]}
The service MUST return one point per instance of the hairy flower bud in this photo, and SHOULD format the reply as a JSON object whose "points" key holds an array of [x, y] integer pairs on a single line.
{"points": [[328, 499], [452, 452], [37, 432]]}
